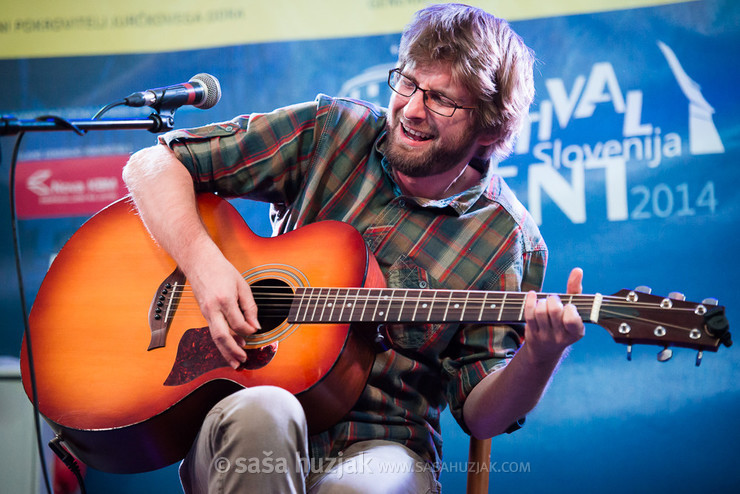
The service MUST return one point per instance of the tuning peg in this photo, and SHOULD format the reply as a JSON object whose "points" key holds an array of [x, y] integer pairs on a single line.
{"points": [[677, 296], [699, 357], [665, 355], [710, 301], [629, 352], [644, 289]]}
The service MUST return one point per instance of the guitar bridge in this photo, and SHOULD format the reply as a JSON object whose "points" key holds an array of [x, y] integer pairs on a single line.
{"points": [[163, 307]]}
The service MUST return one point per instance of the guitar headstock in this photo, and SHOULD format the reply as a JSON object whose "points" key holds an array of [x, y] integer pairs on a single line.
{"points": [[637, 317]]}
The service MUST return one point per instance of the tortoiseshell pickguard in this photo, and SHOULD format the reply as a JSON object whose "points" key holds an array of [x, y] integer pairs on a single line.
{"points": [[197, 354]]}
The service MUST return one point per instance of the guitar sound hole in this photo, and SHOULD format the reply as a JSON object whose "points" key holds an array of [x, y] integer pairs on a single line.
{"points": [[273, 298]]}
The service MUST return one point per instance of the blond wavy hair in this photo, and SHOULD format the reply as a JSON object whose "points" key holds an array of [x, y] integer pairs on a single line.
{"points": [[486, 56]]}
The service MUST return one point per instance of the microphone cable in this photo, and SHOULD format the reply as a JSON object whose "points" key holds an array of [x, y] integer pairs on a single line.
{"points": [[22, 293], [107, 107]]}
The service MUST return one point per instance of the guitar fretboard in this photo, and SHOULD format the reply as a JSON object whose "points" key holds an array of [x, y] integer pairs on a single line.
{"points": [[397, 305]]}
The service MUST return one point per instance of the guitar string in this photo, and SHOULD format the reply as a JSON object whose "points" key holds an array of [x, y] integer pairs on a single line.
{"points": [[287, 299], [263, 303], [474, 305]]}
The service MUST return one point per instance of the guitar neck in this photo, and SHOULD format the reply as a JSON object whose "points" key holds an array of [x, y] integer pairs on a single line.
{"points": [[398, 305], [630, 316]]}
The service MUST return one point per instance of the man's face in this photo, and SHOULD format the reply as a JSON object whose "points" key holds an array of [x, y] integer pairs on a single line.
{"points": [[421, 142]]}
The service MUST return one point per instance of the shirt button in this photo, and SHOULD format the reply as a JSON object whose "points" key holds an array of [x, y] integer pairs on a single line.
{"points": [[422, 284]]}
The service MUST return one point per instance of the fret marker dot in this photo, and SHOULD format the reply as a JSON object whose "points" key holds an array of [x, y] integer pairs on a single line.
{"points": [[424, 306], [381, 312], [457, 306], [349, 304], [329, 304]]}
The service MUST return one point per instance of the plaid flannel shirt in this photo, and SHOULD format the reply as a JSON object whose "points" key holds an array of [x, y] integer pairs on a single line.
{"points": [[324, 160]]}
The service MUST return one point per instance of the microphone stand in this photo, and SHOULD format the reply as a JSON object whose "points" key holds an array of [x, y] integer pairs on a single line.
{"points": [[161, 120], [156, 122]]}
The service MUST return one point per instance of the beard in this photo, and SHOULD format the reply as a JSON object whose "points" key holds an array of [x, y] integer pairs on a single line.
{"points": [[438, 158]]}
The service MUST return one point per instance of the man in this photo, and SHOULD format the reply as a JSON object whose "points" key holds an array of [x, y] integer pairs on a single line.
{"points": [[416, 181]]}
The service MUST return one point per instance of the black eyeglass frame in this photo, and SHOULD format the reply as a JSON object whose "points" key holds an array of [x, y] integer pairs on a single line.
{"points": [[454, 107]]}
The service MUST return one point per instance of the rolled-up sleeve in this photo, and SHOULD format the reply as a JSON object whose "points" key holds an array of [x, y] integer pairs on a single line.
{"points": [[479, 350]]}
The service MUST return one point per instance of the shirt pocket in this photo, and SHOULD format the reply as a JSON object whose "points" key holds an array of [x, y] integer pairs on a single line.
{"points": [[405, 273]]}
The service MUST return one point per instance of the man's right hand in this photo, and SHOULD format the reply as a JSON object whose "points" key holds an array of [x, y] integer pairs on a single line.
{"points": [[159, 183], [226, 302]]}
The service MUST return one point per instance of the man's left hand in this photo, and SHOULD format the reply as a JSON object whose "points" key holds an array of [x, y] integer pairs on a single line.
{"points": [[550, 326]]}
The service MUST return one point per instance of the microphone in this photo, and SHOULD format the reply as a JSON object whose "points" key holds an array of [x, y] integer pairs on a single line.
{"points": [[202, 91]]}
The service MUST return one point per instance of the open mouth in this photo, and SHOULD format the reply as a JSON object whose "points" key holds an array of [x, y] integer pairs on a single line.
{"points": [[415, 135]]}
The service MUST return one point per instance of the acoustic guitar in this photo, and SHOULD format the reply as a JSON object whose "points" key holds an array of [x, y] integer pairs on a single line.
{"points": [[125, 369]]}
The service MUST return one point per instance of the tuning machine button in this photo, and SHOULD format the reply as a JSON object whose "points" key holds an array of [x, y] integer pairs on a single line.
{"points": [[677, 296], [665, 355], [699, 356], [644, 289]]}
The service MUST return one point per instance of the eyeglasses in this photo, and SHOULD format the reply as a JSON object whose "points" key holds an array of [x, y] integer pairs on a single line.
{"points": [[436, 102]]}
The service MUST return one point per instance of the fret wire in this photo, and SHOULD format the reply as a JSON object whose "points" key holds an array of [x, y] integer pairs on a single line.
{"points": [[465, 304], [447, 306], [300, 304], [354, 306], [416, 308], [483, 306], [314, 302], [334, 304], [323, 305], [503, 303], [431, 304], [521, 313], [377, 304], [310, 304], [341, 312], [403, 302], [364, 306], [348, 304]]}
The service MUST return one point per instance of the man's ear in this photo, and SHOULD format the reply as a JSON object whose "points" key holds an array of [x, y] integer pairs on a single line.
{"points": [[487, 138], [487, 143]]}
